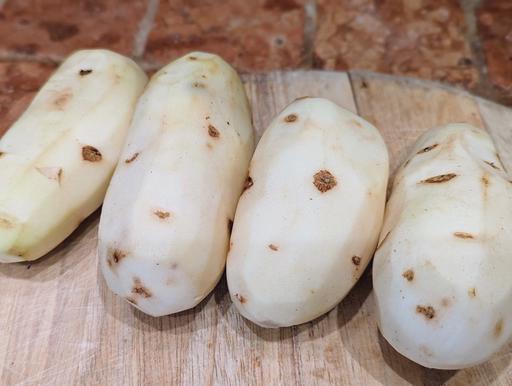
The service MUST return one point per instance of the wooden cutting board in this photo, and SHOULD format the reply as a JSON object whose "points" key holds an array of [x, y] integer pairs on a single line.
{"points": [[60, 325]]}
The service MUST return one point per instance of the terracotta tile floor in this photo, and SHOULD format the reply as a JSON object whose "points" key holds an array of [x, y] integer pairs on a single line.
{"points": [[467, 43]]}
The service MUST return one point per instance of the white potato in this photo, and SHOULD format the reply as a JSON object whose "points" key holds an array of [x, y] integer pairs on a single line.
{"points": [[165, 225], [442, 275], [56, 160], [308, 222]]}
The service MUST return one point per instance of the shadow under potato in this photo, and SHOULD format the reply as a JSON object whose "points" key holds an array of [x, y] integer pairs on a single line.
{"points": [[59, 260]]}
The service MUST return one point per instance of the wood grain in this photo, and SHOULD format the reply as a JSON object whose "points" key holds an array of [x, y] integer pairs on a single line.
{"points": [[60, 325]]}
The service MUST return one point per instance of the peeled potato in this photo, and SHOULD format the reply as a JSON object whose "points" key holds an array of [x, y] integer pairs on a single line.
{"points": [[442, 273], [56, 160], [309, 219], [165, 224]]}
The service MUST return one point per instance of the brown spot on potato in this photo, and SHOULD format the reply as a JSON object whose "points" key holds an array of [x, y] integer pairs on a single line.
{"points": [[1, 154], [485, 181], [139, 289], [291, 118], [273, 247], [356, 260], [439, 179], [409, 275], [472, 292], [85, 72], [230, 226], [91, 154], [161, 214], [427, 311], [114, 257], [464, 235], [498, 328], [131, 159], [213, 132], [324, 181], [492, 165], [209, 145], [207, 117], [241, 298], [52, 173], [248, 183], [364, 84], [301, 98], [445, 302], [61, 101], [174, 266], [198, 85], [132, 301], [406, 163], [383, 240], [192, 58], [427, 149]]}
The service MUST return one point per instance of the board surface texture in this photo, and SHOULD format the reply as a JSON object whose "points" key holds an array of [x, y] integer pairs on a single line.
{"points": [[60, 325]]}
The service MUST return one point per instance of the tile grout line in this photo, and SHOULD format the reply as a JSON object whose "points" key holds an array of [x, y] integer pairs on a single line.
{"points": [[309, 33], [145, 27]]}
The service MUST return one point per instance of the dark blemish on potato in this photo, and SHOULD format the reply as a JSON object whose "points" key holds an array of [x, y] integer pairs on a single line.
{"points": [[117, 255], [409, 275], [161, 214], [192, 58], [51, 173], [139, 289], [229, 124], [230, 226], [356, 123], [248, 183], [85, 72], [273, 247], [356, 260], [498, 328], [174, 266], [61, 101], [1, 154], [240, 298], [439, 179], [324, 181], [29, 266], [291, 118], [364, 84], [492, 165], [427, 149], [485, 181], [132, 301], [209, 145], [4, 223], [427, 311], [383, 240], [464, 235], [132, 158], [207, 117], [213, 132], [91, 154], [472, 292], [198, 85], [406, 163]]}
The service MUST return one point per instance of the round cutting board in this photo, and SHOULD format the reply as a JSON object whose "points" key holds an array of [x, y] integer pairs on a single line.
{"points": [[60, 325]]}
